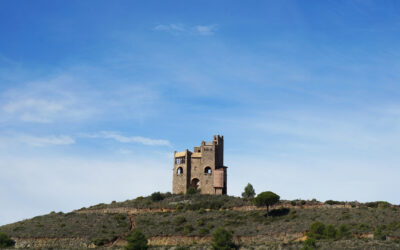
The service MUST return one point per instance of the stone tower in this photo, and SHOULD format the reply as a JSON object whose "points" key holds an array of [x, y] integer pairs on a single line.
{"points": [[202, 169]]}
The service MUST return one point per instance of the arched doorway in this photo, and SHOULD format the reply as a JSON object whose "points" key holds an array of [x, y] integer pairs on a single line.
{"points": [[195, 183]]}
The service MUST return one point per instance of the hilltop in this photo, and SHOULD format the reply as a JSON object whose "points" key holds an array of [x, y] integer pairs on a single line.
{"points": [[189, 220]]}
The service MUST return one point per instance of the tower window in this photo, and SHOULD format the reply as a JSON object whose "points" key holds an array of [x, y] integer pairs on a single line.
{"points": [[207, 170], [180, 160], [179, 171]]}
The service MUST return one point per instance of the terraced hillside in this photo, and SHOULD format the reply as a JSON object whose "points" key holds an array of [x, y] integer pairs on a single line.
{"points": [[189, 220]]}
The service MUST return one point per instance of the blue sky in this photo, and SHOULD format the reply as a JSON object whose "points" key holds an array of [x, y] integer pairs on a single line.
{"points": [[96, 95]]}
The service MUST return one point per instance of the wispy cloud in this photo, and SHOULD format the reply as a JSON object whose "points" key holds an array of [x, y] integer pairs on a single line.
{"points": [[46, 140], [203, 30], [129, 139], [67, 98], [170, 27]]}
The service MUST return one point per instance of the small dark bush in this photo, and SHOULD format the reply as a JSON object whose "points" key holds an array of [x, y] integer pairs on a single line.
{"points": [[332, 202], [179, 220], [187, 229], [204, 231], [222, 240], [157, 196], [343, 232], [192, 191], [100, 242], [316, 230], [136, 241], [309, 243], [6, 241], [330, 232], [279, 212]]}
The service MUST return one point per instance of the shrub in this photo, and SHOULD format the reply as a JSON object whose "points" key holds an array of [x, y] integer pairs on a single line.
{"points": [[330, 232], [309, 244], [192, 191], [248, 192], [379, 233], [179, 220], [266, 199], [200, 222], [332, 202], [187, 229], [279, 212], [204, 231], [222, 240], [316, 230], [136, 241], [100, 242], [343, 232], [6, 241], [157, 196]]}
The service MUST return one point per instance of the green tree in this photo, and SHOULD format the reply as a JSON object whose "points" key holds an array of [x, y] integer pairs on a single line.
{"points": [[248, 192], [222, 240], [267, 199], [5, 241], [136, 241]]}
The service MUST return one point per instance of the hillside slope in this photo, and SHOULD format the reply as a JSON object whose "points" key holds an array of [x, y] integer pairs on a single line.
{"points": [[169, 220]]}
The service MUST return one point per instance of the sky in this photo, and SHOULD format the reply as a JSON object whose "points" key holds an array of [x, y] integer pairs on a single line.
{"points": [[95, 96]]}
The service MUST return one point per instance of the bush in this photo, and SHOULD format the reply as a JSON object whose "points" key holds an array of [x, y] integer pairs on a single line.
{"points": [[157, 196], [100, 242], [192, 191], [332, 202], [379, 233], [204, 231], [343, 232], [376, 204], [136, 241], [317, 230], [330, 232], [279, 212], [187, 229], [309, 244], [248, 192], [179, 220], [222, 240], [5, 241]]}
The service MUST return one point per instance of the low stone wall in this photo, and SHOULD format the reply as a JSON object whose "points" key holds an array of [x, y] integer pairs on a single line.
{"points": [[129, 210]]}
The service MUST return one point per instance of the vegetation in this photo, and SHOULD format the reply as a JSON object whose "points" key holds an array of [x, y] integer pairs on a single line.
{"points": [[5, 241], [136, 241], [328, 227], [222, 240], [266, 199], [157, 196], [249, 192]]}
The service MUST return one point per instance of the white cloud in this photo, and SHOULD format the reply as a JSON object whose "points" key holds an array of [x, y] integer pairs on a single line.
{"points": [[170, 27], [45, 140], [75, 99], [33, 110], [129, 139], [205, 30]]}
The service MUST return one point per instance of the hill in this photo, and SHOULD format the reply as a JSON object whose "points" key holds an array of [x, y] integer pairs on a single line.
{"points": [[189, 220]]}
